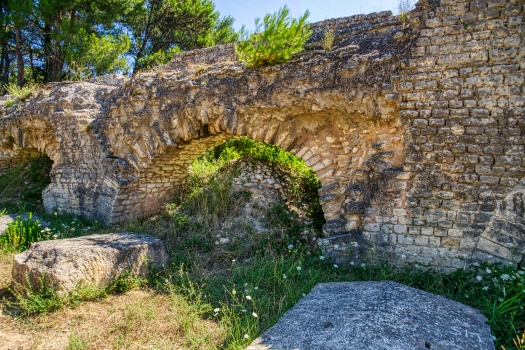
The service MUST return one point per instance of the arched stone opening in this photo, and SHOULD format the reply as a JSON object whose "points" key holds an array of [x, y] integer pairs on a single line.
{"points": [[351, 162], [59, 124]]}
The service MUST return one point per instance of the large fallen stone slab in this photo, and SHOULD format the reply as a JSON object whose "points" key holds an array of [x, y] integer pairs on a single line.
{"points": [[10, 218], [98, 259], [376, 316]]}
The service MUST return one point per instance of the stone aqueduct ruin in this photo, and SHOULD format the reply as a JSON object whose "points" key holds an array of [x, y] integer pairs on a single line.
{"points": [[414, 129]]}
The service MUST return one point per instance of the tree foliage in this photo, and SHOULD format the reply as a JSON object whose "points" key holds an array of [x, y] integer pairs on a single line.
{"points": [[275, 39], [158, 26], [99, 54], [52, 40]]}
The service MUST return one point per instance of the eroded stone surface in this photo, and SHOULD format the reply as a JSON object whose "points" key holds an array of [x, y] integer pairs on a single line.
{"points": [[415, 130], [375, 316], [98, 259], [10, 218]]}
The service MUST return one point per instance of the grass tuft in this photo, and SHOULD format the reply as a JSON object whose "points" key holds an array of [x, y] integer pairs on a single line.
{"points": [[21, 93]]}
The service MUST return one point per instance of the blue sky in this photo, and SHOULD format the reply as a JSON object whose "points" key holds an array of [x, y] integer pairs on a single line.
{"points": [[245, 11]]}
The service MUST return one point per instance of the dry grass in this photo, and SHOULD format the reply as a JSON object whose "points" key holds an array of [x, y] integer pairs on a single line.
{"points": [[139, 319]]}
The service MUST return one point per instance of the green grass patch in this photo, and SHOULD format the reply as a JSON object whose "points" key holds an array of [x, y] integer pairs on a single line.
{"points": [[43, 299], [208, 169]]}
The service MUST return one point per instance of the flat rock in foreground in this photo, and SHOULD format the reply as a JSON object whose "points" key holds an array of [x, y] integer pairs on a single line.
{"points": [[9, 218], [95, 259], [376, 316]]}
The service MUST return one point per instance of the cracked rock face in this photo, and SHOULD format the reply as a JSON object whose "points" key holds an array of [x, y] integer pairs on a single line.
{"points": [[415, 130], [376, 315], [97, 259]]}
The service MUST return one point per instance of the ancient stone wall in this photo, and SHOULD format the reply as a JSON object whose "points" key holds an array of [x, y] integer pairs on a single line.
{"points": [[414, 129], [11, 162]]}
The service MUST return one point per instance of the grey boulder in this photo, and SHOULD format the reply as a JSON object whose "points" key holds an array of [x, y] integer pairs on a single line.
{"points": [[376, 316], [96, 259], [10, 218]]}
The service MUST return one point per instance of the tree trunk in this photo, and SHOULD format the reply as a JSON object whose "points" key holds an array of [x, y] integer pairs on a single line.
{"points": [[19, 58], [7, 67], [33, 75], [47, 54], [2, 62]]}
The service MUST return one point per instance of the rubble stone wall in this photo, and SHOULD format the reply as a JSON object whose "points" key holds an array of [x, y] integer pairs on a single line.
{"points": [[414, 129]]}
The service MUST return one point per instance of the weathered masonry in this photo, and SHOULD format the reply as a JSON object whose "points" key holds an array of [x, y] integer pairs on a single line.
{"points": [[415, 130]]}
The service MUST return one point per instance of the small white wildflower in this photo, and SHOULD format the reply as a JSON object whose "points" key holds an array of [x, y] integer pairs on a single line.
{"points": [[233, 260], [290, 246], [505, 277], [500, 299], [336, 266], [494, 338], [416, 265], [254, 314], [486, 288], [298, 268], [216, 310], [255, 288], [165, 281], [243, 310], [521, 272], [42, 231], [284, 276], [403, 256], [248, 297], [245, 284], [246, 336], [363, 265], [479, 278], [304, 295], [351, 263], [321, 257], [487, 270]]}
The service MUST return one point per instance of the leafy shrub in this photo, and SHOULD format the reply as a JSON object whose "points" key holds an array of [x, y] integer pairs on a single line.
{"points": [[21, 233], [21, 93], [125, 282], [328, 40], [79, 72], [303, 180], [275, 40]]}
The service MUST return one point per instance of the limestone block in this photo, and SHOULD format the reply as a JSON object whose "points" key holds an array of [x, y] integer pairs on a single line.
{"points": [[98, 259], [376, 315]]}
